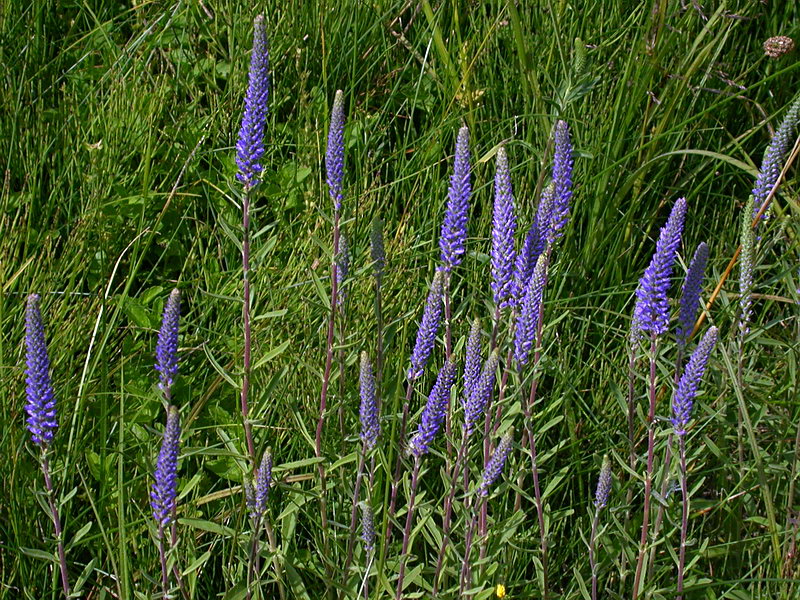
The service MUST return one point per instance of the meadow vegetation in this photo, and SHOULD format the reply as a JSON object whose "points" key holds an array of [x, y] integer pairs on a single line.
{"points": [[118, 138]]}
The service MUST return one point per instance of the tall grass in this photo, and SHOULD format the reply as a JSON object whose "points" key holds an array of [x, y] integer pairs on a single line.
{"points": [[118, 184]]}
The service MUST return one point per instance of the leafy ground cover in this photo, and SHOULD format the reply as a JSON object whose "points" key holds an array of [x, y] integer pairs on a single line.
{"points": [[119, 184]]}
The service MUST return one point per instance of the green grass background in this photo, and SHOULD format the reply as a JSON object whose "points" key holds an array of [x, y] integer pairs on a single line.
{"points": [[118, 183]]}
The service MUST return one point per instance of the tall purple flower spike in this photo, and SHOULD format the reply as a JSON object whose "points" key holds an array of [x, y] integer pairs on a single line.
{"points": [[603, 484], [562, 181], [774, 156], [477, 399], [504, 227], [368, 412], [528, 319], [683, 400], [434, 411], [167, 347], [334, 156], [472, 361], [426, 334], [165, 489], [41, 399], [496, 463], [453, 238], [534, 243], [250, 146], [690, 296], [367, 527], [651, 312]]}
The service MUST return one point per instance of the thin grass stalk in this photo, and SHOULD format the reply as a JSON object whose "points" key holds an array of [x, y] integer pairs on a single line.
{"points": [[648, 481], [592, 542], [684, 515], [62, 558], [448, 509], [407, 530], [537, 495], [354, 515], [162, 555], [399, 462], [484, 516], [323, 399], [466, 570]]}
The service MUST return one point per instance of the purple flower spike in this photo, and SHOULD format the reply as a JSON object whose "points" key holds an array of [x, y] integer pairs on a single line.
{"points": [[495, 465], [250, 147], [167, 347], [504, 227], [334, 157], [368, 412], [165, 488], [774, 156], [562, 181], [472, 362], [434, 411], [528, 320], [603, 484], [652, 308], [475, 403], [41, 399], [367, 527], [690, 296], [454, 228], [426, 335], [534, 243], [683, 400], [263, 481]]}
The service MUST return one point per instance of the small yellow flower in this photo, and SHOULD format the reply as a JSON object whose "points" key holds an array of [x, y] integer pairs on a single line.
{"points": [[500, 590]]}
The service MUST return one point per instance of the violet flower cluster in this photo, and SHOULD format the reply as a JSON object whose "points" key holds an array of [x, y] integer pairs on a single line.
{"points": [[562, 181], [534, 243], [426, 334], [651, 312], [690, 295], [334, 156], [40, 396], [496, 463], [167, 346], [603, 484], [368, 412], [434, 411], [683, 400], [257, 498], [504, 227], [774, 156], [367, 527], [476, 399], [165, 488], [250, 146], [530, 307], [454, 227], [472, 360]]}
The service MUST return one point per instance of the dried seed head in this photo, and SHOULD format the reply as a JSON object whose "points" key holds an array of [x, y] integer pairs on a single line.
{"points": [[778, 45]]}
